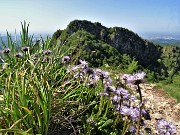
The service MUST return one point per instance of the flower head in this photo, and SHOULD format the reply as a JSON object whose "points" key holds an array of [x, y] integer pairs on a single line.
{"points": [[116, 99], [133, 113], [25, 48], [47, 52], [109, 89], [65, 59], [136, 78], [83, 62], [121, 91], [132, 129], [18, 55], [125, 76], [103, 94], [90, 71], [98, 71], [165, 127], [6, 51]]}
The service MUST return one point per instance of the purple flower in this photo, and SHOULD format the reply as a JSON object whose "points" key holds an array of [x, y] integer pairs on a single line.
{"points": [[98, 72], [125, 76], [107, 82], [65, 59], [83, 62], [102, 74], [94, 76], [109, 89], [6, 51], [133, 98], [25, 48], [89, 71], [146, 115], [132, 129], [18, 55], [115, 99], [105, 74], [74, 69], [121, 91], [92, 80], [103, 94], [83, 65], [136, 78], [132, 112], [125, 110], [124, 93], [166, 128], [47, 52]]}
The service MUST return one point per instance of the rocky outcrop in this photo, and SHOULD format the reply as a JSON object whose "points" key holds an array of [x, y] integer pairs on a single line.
{"points": [[160, 105], [130, 43]]}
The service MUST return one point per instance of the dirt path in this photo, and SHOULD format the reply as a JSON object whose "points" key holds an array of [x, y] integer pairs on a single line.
{"points": [[160, 105]]}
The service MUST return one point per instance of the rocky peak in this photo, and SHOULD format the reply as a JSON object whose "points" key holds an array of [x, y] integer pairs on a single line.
{"points": [[122, 39], [93, 28]]}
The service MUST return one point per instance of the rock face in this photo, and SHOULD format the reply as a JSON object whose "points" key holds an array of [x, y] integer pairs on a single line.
{"points": [[160, 105]]}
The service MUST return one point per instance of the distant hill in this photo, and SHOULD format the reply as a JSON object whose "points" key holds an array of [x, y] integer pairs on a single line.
{"points": [[35, 38], [101, 45], [163, 38], [163, 41]]}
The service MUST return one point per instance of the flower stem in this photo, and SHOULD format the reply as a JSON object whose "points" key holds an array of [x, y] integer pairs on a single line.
{"points": [[140, 111]]}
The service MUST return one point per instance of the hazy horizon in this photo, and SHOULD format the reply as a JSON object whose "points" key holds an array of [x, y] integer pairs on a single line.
{"points": [[147, 35]]}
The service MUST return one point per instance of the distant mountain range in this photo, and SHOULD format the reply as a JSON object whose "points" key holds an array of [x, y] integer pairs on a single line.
{"points": [[163, 39]]}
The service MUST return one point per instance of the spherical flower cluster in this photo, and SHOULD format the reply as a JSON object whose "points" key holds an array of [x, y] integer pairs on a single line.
{"points": [[133, 113], [47, 52], [65, 59], [25, 48], [104, 76], [135, 78], [166, 128], [132, 129], [18, 55], [6, 51]]}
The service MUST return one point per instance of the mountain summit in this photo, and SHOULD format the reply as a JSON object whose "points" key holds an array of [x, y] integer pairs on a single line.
{"points": [[112, 43]]}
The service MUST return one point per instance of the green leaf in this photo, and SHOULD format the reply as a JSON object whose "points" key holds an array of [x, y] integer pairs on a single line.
{"points": [[107, 123]]}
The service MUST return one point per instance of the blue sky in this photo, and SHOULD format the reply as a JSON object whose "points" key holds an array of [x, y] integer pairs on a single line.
{"points": [[46, 16]]}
